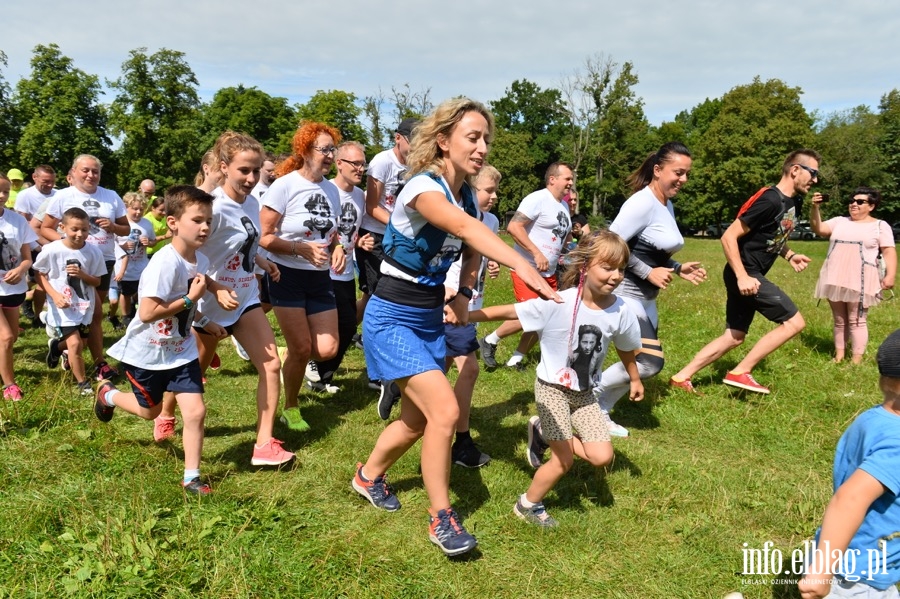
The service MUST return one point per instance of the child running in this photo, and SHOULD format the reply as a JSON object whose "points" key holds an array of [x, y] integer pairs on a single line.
{"points": [[158, 351], [564, 399], [131, 253], [68, 270]]}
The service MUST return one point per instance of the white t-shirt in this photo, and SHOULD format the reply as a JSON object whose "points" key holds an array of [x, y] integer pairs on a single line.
{"points": [[231, 251], [579, 365], [105, 203], [168, 342], [137, 257], [29, 200], [14, 233], [309, 213], [549, 227], [52, 262], [385, 167], [353, 206], [452, 281], [409, 222], [260, 190]]}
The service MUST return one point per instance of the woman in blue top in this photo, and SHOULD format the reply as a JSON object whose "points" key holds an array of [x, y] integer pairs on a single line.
{"points": [[431, 225]]}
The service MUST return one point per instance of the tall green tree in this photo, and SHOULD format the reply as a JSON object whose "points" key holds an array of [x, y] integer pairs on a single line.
{"points": [[337, 109], [268, 119], [889, 145], [10, 130], [155, 115], [60, 106], [511, 155], [742, 149]]}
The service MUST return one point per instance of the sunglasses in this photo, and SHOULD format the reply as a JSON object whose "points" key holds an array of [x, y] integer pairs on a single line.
{"points": [[861, 202], [811, 171]]}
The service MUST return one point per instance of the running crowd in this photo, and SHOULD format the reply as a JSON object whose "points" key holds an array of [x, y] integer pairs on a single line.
{"points": [[257, 233]]}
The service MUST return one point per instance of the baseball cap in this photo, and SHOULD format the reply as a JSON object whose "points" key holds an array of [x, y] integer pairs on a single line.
{"points": [[888, 357], [406, 127], [15, 174]]}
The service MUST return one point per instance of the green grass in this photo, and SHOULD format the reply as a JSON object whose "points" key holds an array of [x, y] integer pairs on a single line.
{"points": [[95, 510]]}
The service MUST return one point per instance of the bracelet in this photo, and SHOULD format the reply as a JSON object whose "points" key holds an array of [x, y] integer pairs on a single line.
{"points": [[294, 248], [204, 320], [188, 302], [789, 256]]}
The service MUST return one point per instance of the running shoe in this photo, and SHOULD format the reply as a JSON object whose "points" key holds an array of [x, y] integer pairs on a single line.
{"points": [[536, 444], [312, 372], [744, 381], [196, 487], [465, 453], [390, 394], [104, 371], [377, 490], [686, 385], [163, 428], [488, 353], [535, 514], [447, 532], [239, 349], [53, 353], [270, 453], [102, 411], [13, 392], [293, 419]]}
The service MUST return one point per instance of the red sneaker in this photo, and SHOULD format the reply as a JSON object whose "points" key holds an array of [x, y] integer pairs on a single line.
{"points": [[744, 381], [684, 385], [270, 453], [163, 428], [216, 362]]}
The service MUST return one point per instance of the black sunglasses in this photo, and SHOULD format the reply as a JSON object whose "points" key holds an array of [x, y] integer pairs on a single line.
{"points": [[811, 171], [861, 202]]}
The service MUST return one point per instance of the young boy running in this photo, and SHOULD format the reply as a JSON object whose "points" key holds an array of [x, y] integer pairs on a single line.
{"points": [[158, 351]]}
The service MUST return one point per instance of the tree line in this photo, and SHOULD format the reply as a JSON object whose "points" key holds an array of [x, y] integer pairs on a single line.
{"points": [[156, 127]]}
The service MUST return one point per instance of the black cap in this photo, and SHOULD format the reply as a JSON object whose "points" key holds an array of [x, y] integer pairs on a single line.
{"points": [[888, 357], [406, 127]]}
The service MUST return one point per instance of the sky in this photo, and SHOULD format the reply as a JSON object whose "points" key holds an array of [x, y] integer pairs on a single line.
{"points": [[840, 54]]}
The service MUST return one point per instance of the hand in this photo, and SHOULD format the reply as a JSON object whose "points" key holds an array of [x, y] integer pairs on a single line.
{"points": [[886, 282], [366, 242], [227, 299], [216, 330], [272, 270], [316, 254], [540, 261], [449, 293], [73, 269], [799, 262], [814, 586], [457, 312], [817, 199], [493, 269], [12, 276], [107, 225], [338, 260], [145, 241], [748, 285], [128, 245], [197, 287], [693, 272], [119, 276], [636, 391], [61, 302], [660, 276]]}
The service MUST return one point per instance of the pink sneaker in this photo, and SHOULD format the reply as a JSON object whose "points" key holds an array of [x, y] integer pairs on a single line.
{"points": [[13, 392], [744, 381], [270, 453], [686, 385], [163, 428]]}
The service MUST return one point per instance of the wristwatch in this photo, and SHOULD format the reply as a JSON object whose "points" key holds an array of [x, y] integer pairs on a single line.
{"points": [[466, 291]]}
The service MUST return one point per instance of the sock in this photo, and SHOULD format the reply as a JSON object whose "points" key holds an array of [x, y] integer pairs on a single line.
{"points": [[108, 398], [190, 475], [516, 358], [524, 501], [363, 476], [493, 339], [462, 435]]}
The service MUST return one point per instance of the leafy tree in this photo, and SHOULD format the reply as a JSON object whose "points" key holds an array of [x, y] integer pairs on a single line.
{"points": [[155, 114], [742, 149], [889, 144], [377, 132], [59, 105], [268, 119], [539, 115], [338, 109], [9, 123], [511, 154], [410, 104]]}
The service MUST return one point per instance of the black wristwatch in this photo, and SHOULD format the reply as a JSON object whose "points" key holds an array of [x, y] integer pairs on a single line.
{"points": [[466, 291]]}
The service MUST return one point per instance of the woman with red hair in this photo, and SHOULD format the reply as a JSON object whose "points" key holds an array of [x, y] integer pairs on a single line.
{"points": [[299, 218]]}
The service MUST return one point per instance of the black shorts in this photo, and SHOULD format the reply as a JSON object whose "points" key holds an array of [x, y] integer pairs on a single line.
{"points": [[230, 328], [770, 301], [149, 385], [264, 290], [461, 341], [61, 333], [12, 301], [369, 263], [105, 279], [128, 287], [311, 290]]}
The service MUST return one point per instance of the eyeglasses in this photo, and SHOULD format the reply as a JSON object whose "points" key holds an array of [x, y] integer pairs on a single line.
{"points": [[861, 202], [330, 150], [357, 164], [811, 171]]}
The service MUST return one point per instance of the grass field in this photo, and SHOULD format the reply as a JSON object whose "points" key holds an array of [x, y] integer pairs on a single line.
{"points": [[94, 510]]}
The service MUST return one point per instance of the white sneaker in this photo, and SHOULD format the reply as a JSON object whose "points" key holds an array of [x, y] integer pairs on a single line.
{"points": [[615, 430], [323, 387], [312, 372], [240, 350]]}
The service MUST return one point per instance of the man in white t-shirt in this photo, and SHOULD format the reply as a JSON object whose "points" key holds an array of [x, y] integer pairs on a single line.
{"points": [[540, 228], [266, 176], [27, 204], [107, 219]]}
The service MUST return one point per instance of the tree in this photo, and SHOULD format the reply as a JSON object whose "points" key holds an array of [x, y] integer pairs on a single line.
{"points": [[410, 104], [9, 123], [538, 117], [337, 109], [268, 119], [889, 144], [372, 109], [59, 105], [511, 155], [155, 114], [742, 149]]}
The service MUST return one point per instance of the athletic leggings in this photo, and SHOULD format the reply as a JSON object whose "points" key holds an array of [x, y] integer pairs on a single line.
{"points": [[615, 382], [850, 325]]}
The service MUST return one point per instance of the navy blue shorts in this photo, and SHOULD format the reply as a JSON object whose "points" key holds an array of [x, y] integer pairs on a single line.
{"points": [[149, 385], [770, 301], [298, 288], [230, 328], [461, 341]]}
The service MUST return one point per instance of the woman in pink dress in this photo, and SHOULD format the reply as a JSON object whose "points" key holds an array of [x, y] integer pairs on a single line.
{"points": [[850, 279]]}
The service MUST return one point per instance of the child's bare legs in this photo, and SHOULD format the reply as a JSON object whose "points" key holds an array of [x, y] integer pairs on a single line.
{"points": [[839, 311], [255, 334], [599, 453], [75, 345], [127, 303], [206, 344], [465, 385], [9, 332]]}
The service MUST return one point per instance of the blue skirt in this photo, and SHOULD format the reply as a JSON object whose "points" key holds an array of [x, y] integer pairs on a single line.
{"points": [[401, 341]]}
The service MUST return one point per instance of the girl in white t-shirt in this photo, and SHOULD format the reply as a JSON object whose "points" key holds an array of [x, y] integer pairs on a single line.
{"points": [[586, 323], [16, 238]]}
